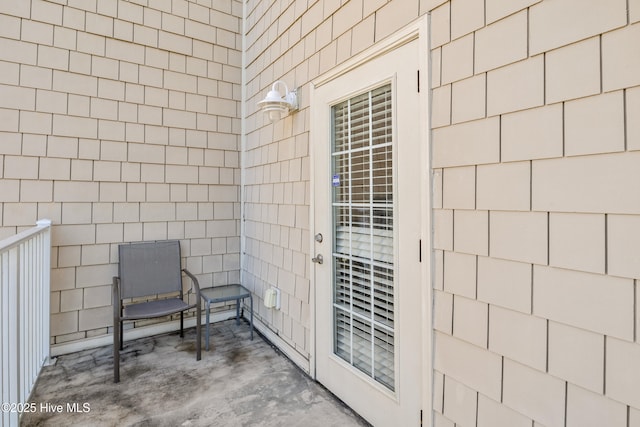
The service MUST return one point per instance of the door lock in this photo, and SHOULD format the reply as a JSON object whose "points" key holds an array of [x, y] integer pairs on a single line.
{"points": [[318, 259], [318, 237]]}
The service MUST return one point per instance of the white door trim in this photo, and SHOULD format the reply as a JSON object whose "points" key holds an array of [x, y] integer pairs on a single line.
{"points": [[418, 29]]}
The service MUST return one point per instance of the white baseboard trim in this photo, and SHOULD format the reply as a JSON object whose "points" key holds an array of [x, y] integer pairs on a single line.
{"points": [[135, 333], [297, 358]]}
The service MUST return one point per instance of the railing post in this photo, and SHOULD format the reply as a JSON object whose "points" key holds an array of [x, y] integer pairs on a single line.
{"points": [[45, 278], [11, 353], [25, 264]]}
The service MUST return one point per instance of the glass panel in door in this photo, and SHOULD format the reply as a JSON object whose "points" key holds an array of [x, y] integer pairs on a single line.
{"points": [[363, 213]]}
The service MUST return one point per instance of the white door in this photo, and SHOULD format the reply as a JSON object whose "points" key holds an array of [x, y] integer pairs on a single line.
{"points": [[367, 228]]}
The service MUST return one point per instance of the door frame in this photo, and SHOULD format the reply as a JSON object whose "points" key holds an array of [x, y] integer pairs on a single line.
{"points": [[419, 29]]}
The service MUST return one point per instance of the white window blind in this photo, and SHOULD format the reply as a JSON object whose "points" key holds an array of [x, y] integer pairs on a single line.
{"points": [[362, 162]]}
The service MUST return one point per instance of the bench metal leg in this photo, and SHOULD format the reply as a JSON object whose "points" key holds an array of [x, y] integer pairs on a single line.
{"points": [[116, 352], [208, 304]]}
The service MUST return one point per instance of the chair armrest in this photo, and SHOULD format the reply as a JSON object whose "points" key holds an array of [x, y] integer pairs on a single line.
{"points": [[196, 285], [195, 282]]}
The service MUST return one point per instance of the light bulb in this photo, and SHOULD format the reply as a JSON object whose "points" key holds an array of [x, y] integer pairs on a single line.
{"points": [[274, 115]]}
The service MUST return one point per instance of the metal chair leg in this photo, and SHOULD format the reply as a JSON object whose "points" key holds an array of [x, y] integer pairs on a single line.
{"points": [[208, 305], [251, 303], [116, 353]]}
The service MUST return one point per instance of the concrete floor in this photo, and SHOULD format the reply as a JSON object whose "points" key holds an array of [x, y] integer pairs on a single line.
{"points": [[238, 382]]}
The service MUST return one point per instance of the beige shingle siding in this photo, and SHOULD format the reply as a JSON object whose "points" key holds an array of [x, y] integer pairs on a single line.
{"points": [[549, 163], [295, 42], [120, 120], [117, 119]]}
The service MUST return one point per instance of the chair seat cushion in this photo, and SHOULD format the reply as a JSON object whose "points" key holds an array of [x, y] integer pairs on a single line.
{"points": [[157, 308]]}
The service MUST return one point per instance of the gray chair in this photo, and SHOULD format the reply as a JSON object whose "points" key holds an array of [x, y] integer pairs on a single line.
{"points": [[150, 270]]}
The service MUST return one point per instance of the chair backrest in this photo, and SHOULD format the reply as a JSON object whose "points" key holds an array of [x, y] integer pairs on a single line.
{"points": [[148, 268]]}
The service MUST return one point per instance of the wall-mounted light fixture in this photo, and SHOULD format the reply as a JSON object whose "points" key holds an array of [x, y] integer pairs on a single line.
{"points": [[277, 106]]}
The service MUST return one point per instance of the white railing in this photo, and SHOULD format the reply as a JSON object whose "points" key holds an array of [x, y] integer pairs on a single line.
{"points": [[25, 261]]}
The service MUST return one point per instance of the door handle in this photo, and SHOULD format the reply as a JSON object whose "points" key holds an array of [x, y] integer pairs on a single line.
{"points": [[318, 259]]}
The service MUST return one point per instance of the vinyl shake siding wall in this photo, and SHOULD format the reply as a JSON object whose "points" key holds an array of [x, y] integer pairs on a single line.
{"points": [[122, 120], [535, 115], [295, 41], [119, 120]]}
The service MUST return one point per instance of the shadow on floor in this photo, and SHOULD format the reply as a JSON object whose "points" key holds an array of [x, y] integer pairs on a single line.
{"points": [[238, 382]]}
